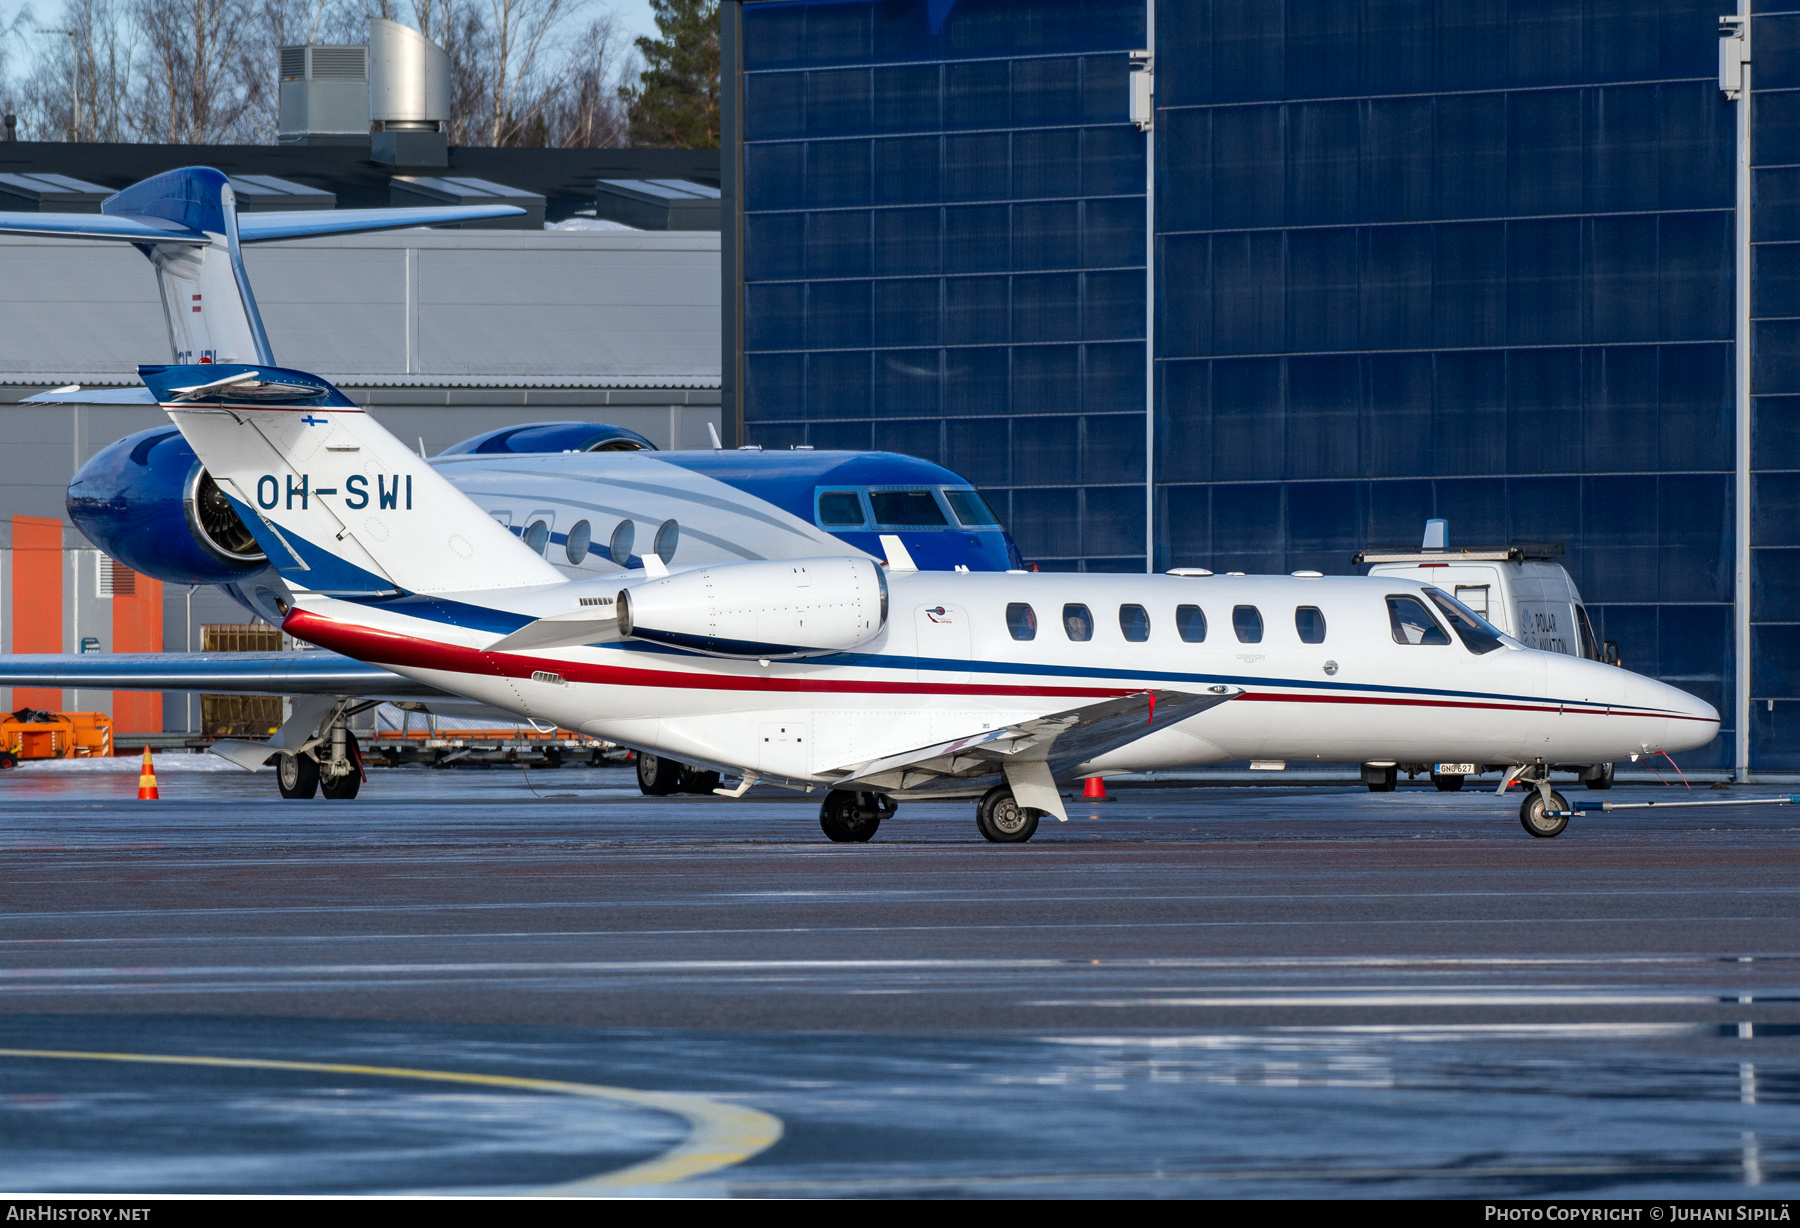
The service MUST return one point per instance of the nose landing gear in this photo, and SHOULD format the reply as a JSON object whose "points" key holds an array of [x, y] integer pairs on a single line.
{"points": [[1544, 812]]}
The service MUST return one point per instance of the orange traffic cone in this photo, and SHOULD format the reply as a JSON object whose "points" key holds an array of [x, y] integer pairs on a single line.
{"points": [[147, 781], [1094, 790]]}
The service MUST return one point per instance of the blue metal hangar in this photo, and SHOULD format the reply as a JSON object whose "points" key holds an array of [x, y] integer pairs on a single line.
{"points": [[1412, 259]]}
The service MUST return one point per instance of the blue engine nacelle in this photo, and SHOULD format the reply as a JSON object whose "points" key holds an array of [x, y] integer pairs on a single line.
{"points": [[147, 501]]}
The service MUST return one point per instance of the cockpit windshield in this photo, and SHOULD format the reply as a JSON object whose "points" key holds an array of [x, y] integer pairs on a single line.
{"points": [[1477, 633]]}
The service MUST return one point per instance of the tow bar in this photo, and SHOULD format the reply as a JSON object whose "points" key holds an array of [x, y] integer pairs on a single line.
{"points": [[1592, 806]]}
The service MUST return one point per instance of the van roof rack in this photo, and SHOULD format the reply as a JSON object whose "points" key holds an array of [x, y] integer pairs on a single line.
{"points": [[1515, 553]]}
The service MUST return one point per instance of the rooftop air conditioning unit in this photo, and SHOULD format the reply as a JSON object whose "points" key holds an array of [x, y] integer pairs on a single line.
{"points": [[324, 95], [409, 96]]}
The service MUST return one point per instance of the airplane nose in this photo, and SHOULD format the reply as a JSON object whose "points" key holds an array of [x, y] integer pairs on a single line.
{"points": [[1691, 721]]}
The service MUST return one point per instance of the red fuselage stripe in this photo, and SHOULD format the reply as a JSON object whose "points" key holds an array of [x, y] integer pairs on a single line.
{"points": [[392, 648]]}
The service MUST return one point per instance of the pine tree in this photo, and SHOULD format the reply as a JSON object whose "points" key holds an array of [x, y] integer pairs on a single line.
{"points": [[675, 103]]}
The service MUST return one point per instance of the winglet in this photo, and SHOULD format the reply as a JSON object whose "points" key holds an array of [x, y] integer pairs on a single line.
{"points": [[897, 557]]}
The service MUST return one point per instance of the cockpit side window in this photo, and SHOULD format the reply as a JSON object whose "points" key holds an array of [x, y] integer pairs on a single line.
{"points": [[1478, 635], [906, 508], [840, 509], [971, 509], [1411, 623]]}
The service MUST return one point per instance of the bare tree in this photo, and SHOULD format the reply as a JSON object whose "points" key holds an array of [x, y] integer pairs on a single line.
{"points": [[199, 83], [589, 113], [79, 87]]}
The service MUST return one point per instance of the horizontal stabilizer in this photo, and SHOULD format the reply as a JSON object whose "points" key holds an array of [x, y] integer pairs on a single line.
{"points": [[299, 223], [218, 673], [77, 395], [100, 226]]}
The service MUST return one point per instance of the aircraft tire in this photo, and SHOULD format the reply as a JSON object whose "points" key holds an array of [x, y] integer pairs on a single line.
{"points": [[297, 776], [852, 818], [1533, 818], [657, 776], [1603, 779], [1447, 784], [343, 788], [1002, 820]]}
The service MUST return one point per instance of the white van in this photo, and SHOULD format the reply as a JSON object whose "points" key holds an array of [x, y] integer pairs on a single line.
{"points": [[1518, 588]]}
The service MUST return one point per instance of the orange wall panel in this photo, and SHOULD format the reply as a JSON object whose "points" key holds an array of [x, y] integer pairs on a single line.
{"points": [[37, 599], [138, 627]]}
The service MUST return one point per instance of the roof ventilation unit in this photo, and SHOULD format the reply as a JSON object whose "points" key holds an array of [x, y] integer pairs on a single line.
{"points": [[658, 204], [409, 96], [324, 95]]}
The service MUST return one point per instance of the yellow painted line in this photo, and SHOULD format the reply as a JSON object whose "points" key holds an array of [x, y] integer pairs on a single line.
{"points": [[719, 1134]]}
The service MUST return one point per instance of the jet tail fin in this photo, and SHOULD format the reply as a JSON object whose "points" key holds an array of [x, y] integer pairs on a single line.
{"points": [[338, 504]]}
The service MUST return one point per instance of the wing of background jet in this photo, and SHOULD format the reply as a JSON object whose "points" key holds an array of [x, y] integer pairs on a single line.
{"points": [[1057, 742], [216, 673], [300, 223]]}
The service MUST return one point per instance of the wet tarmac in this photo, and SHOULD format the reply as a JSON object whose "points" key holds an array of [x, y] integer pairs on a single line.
{"points": [[492, 981]]}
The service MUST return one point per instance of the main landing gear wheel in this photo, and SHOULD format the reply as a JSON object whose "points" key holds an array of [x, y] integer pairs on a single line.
{"points": [[343, 788], [1447, 784], [851, 818], [297, 776], [657, 776], [1535, 817], [1600, 776], [1001, 818]]}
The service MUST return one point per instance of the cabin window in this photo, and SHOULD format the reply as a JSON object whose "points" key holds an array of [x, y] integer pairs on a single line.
{"points": [[971, 509], [1246, 620], [1078, 624], [840, 509], [537, 536], [1190, 624], [906, 508], [1477, 633], [581, 536], [1411, 624], [1021, 620], [1134, 623], [1309, 621]]}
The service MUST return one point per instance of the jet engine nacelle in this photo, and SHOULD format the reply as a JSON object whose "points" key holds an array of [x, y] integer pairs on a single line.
{"points": [[148, 503], [778, 609]]}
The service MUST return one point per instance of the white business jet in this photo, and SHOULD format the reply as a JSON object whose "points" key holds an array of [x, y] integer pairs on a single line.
{"points": [[882, 683]]}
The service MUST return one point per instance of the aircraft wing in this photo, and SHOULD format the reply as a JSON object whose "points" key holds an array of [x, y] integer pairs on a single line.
{"points": [[99, 226], [1060, 741], [299, 223], [216, 673]]}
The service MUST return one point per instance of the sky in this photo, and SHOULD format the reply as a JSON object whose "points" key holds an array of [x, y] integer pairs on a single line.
{"points": [[634, 15]]}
